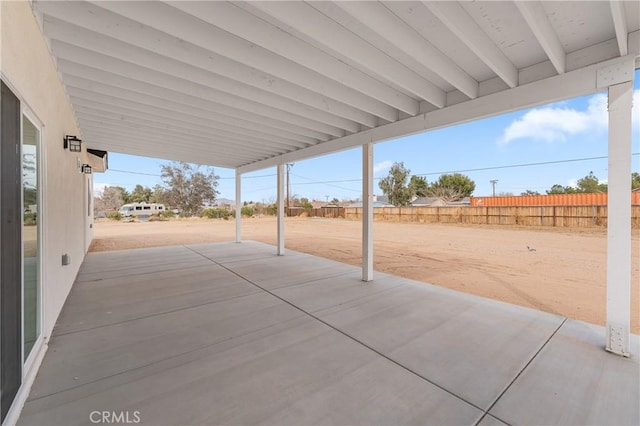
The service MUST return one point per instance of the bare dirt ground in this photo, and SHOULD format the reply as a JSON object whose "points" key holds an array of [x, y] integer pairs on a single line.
{"points": [[565, 275]]}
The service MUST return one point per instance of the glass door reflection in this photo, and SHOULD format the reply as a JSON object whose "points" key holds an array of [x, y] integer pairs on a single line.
{"points": [[30, 235]]}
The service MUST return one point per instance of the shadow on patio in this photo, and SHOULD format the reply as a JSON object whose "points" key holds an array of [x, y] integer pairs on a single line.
{"points": [[232, 334]]}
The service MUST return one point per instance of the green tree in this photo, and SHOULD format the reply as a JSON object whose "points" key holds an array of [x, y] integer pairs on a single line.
{"points": [[126, 196], [395, 186], [587, 184], [530, 192], [557, 189], [452, 187], [304, 202], [335, 200], [189, 187], [159, 195], [141, 194], [591, 183], [635, 180], [419, 185]]}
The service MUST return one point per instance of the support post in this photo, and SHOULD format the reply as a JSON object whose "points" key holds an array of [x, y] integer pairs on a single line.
{"points": [[280, 209], [238, 207], [619, 220], [367, 212]]}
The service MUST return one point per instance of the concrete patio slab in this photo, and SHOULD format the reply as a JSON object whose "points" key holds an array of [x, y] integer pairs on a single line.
{"points": [[487, 342], [283, 271], [489, 420], [575, 381], [287, 340], [313, 296], [102, 302]]}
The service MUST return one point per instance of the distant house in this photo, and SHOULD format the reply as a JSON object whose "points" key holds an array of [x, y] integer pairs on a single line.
{"points": [[438, 202], [375, 204], [428, 202], [466, 201], [381, 198]]}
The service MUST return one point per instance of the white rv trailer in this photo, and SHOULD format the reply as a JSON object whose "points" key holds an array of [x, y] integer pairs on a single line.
{"points": [[141, 209]]}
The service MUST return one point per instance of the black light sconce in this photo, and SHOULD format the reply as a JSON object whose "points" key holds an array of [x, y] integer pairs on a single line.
{"points": [[86, 169], [72, 143]]}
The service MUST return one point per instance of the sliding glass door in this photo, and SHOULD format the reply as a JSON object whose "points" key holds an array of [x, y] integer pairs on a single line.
{"points": [[30, 235]]}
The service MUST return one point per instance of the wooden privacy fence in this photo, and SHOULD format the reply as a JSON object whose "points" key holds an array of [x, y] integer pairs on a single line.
{"points": [[559, 216], [334, 212]]}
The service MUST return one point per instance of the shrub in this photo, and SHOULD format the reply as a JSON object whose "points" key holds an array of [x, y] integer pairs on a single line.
{"points": [[272, 210], [30, 219], [248, 211], [215, 213], [167, 214], [160, 217], [114, 216]]}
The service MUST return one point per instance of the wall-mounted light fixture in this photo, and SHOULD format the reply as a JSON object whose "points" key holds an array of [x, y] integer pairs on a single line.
{"points": [[86, 169], [72, 143]]}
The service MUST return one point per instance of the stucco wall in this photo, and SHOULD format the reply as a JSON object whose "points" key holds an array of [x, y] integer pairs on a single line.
{"points": [[28, 69]]}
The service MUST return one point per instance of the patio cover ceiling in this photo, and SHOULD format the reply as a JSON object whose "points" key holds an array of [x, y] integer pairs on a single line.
{"points": [[249, 85]]}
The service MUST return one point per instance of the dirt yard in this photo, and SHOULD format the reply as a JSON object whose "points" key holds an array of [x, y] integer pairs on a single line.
{"points": [[566, 273]]}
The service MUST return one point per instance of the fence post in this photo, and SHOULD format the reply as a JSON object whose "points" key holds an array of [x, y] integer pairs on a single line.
{"points": [[541, 216]]}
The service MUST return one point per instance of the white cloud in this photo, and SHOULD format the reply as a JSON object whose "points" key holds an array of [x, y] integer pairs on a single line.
{"points": [[556, 122], [381, 167]]}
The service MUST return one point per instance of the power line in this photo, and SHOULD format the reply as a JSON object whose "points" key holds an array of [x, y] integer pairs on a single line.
{"points": [[330, 182], [573, 160], [327, 183], [475, 170], [133, 173]]}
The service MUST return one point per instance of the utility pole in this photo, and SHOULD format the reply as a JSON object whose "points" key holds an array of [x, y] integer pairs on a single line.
{"points": [[289, 165], [493, 184]]}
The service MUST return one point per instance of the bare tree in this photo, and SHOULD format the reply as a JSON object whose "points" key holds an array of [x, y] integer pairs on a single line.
{"points": [[110, 200], [446, 193], [189, 186]]}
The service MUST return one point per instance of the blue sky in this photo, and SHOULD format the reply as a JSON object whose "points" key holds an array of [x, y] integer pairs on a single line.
{"points": [[573, 129]]}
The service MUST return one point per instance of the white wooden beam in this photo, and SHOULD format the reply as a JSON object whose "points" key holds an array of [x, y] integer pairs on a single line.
{"points": [[575, 83], [619, 220], [185, 128], [620, 24], [533, 12], [210, 111], [229, 144], [238, 207], [165, 117], [458, 21], [159, 147], [280, 178], [323, 31], [151, 137], [375, 15], [367, 212], [103, 110], [281, 76], [99, 51], [235, 20]]}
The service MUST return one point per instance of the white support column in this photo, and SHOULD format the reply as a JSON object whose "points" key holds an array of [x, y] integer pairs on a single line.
{"points": [[280, 209], [619, 220], [238, 207], [367, 212]]}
